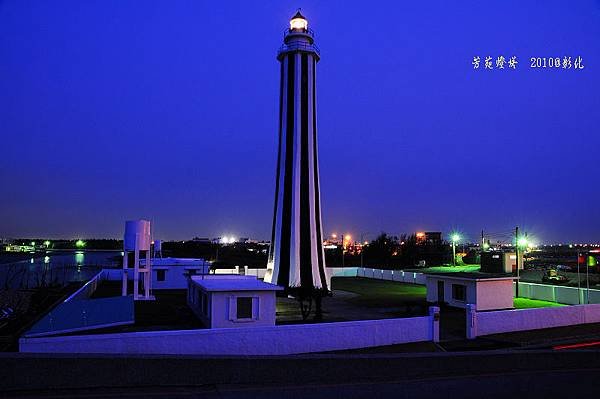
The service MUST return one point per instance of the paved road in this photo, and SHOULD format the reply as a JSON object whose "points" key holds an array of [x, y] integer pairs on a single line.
{"points": [[532, 384]]}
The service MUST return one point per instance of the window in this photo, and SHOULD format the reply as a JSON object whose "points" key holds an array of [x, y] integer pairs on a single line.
{"points": [[244, 307], [459, 292], [160, 275]]}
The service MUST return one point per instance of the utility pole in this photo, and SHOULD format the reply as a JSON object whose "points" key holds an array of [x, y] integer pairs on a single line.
{"points": [[453, 253], [587, 278], [578, 281], [517, 259]]}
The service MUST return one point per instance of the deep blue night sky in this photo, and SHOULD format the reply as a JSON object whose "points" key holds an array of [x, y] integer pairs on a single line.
{"points": [[112, 110]]}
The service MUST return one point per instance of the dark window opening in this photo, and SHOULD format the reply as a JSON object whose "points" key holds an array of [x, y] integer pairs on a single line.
{"points": [[244, 307], [459, 292], [161, 275]]}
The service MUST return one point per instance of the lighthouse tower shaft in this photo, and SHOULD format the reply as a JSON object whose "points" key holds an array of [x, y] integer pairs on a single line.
{"points": [[296, 256]]}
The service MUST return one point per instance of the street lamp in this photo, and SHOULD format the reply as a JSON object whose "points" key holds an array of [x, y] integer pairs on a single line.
{"points": [[454, 238], [521, 242], [345, 239]]}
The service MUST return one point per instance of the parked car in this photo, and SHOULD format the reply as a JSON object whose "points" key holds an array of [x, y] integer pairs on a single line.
{"points": [[551, 276]]}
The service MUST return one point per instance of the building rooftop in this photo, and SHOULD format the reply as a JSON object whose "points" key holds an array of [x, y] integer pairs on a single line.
{"points": [[234, 284]]}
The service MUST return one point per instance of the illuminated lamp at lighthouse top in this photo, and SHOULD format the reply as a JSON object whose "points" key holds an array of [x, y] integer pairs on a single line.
{"points": [[298, 38], [298, 22]]}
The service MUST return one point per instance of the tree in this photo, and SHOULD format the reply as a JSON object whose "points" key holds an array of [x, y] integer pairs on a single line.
{"points": [[382, 250]]}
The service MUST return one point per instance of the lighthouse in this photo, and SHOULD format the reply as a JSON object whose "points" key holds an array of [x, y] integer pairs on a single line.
{"points": [[296, 258]]}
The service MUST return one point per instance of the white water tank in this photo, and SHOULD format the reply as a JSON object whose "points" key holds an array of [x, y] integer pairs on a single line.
{"points": [[137, 235]]}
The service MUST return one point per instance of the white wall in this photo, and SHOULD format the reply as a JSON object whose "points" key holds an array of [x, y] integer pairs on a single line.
{"points": [[175, 276], [494, 294], [557, 293], [432, 291], [277, 340], [502, 321], [391, 275], [222, 309], [485, 294]]}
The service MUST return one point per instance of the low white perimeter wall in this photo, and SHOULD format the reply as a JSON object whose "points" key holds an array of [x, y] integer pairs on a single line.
{"points": [[558, 293], [277, 340], [392, 275], [485, 323]]}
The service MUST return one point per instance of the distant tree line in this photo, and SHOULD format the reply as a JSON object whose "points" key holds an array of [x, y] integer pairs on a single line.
{"points": [[392, 252]]}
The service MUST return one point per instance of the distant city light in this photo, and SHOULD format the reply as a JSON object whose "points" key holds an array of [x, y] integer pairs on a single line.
{"points": [[228, 240], [80, 243], [347, 237], [33, 243], [455, 237], [522, 242], [334, 236], [47, 243], [486, 245]]}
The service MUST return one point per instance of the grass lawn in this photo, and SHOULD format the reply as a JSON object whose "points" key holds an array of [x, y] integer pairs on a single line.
{"points": [[451, 269], [526, 303], [380, 292]]}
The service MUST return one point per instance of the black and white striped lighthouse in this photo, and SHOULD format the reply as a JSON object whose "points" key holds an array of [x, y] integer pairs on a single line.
{"points": [[296, 257]]}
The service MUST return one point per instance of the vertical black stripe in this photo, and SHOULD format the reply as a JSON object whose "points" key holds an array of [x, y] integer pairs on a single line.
{"points": [[317, 188], [305, 242], [272, 247], [286, 218]]}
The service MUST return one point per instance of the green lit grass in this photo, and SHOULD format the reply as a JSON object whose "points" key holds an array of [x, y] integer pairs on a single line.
{"points": [[526, 303], [451, 269], [380, 292]]}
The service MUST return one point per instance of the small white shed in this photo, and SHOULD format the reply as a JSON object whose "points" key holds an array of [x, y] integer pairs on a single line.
{"points": [[485, 291], [232, 301]]}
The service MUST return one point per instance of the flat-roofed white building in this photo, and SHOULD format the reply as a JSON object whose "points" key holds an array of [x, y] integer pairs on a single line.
{"points": [[173, 273], [484, 291], [229, 301]]}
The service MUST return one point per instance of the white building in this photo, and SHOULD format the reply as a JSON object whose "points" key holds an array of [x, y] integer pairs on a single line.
{"points": [[230, 301], [485, 291], [173, 273]]}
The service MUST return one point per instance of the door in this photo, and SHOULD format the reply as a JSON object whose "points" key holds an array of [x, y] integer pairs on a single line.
{"points": [[440, 292]]}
